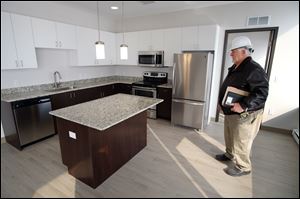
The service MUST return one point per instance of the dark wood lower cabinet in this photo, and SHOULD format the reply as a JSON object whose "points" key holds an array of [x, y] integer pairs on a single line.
{"points": [[95, 155], [164, 108], [107, 90], [74, 97], [70, 98], [124, 88]]}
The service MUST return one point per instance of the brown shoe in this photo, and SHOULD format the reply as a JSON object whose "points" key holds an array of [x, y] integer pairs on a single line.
{"points": [[222, 157]]}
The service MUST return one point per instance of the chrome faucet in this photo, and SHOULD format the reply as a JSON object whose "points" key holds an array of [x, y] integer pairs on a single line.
{"points": [[57, 83]]}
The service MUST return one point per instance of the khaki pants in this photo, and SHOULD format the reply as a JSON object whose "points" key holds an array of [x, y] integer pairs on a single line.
{"points": [[239, 134]]}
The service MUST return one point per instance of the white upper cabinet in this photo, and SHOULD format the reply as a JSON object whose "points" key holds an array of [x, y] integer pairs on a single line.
{"points": [[157, 40], [190, 40], [86, 51], [66, 35], [130, 39], [207, 37], [144, 41], [8, 47], [50, 34], [17, 46], [150, 40], [44, 33], [110, 48], [20, 35], [199, 37], [172, 44]]}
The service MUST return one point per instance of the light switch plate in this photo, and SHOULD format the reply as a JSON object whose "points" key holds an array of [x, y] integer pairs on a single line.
{"points": [[72, 135]]}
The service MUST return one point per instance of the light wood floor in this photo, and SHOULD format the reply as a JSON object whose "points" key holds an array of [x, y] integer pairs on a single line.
{"points": [[177, 162]]}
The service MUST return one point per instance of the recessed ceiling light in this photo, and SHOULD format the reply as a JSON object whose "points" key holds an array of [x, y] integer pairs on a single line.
{"points": [[114, 7]]}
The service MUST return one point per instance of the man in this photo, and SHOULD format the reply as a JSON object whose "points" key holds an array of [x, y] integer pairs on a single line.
{"points": [[243, 118]]}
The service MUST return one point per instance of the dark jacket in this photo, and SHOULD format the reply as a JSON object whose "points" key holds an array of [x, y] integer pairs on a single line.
{"points": [[248, 76]]}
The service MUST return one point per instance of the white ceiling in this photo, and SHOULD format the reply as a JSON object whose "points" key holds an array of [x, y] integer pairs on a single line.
{"points": [[137, 8]]}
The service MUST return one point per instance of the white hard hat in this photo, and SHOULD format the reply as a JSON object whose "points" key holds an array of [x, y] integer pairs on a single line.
{"points": [[240, 42]]}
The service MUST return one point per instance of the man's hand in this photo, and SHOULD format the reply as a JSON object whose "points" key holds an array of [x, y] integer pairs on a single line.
{"points": [[237, 108]]}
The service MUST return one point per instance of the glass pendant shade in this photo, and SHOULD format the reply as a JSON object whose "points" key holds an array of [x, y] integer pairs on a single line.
{"points": [[123, 51], [100, 52]]}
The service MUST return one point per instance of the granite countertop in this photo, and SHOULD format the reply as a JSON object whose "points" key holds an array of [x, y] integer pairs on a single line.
{"points": [[105, 112], [167, 85], [22, 93]]}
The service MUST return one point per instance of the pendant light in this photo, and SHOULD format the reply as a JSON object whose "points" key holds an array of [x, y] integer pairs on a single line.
{"points": [[123, 47], [100, 51]]}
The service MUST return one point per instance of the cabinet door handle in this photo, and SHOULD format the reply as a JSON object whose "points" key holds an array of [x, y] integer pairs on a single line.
{"points": [[56, 44], [17, 64], [22, 63], [60, 44]]}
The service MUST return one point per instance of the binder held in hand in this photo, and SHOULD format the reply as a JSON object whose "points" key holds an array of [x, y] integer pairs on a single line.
{"points": [[233, 95]]}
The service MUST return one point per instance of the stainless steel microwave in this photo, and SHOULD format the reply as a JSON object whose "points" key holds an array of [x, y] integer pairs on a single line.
{"points": [[151, 58]]}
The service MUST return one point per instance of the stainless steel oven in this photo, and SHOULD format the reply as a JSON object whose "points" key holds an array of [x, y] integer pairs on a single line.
{"points": [[147, 87], [146, 92]]}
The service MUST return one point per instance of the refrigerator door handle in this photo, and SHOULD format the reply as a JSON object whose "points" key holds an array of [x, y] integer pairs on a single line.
{"points": [[189, 102], [174, 86]]}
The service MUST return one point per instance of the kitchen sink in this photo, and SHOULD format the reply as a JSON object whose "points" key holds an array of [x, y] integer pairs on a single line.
{"points": [[59, 89]]}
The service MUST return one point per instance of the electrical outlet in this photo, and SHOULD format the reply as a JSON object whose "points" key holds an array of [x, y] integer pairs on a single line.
{"points": [[72, 135]]}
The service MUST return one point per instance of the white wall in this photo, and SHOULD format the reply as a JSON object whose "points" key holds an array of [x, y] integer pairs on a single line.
{"points": [[285, 68]]}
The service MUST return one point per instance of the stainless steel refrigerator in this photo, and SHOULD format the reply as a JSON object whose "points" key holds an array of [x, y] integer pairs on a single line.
{"points": [[192, 74]]}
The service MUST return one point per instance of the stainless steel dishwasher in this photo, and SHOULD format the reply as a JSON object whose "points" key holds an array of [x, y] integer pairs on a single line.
{"points": [[32, 119]]}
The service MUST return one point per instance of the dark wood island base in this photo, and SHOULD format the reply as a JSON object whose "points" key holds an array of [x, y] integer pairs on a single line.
{"points": [[95, 155]]}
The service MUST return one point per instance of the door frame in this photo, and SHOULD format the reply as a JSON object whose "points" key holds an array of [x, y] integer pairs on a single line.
{"points": [[269, 58]]}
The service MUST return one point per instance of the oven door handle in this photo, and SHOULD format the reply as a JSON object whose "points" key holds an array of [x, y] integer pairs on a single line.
{"points": [[143, 88]]}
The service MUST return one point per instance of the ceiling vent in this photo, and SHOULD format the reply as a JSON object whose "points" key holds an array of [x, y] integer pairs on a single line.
{"points": [[258, 20], [147, 2]]}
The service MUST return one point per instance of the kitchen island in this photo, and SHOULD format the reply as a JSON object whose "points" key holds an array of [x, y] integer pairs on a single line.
{"points": [[98, 137]]}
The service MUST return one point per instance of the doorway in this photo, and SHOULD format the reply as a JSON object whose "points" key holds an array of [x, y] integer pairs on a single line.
{"points": [[263, 41]]}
